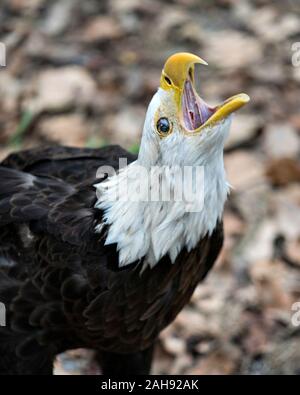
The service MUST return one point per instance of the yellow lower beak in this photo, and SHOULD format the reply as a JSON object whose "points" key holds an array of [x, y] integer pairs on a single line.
{"points": [[226, 108]]}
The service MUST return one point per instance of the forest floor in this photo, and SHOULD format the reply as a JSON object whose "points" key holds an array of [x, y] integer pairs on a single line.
{"points": [[82, 73]]}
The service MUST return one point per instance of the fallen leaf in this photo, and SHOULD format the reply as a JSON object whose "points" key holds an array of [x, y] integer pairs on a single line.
{"points": [[58, 17], [65, 129], [244, 169], [222, 361], [173, 345], [280, 140], [126, 126], [244, 128], [283, 171], [272, 26], [244, 50], [268, 278], [101, 28], [59, 89], [293, 251]]}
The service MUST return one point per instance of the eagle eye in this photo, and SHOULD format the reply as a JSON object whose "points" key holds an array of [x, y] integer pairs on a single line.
{"points": [[163, 126]]}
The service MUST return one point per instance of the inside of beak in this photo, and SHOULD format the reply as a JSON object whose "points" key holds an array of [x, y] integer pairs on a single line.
{"points": [[197, 114]]}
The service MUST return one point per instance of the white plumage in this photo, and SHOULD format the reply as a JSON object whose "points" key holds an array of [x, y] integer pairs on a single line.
{"points": [[151, 229]]}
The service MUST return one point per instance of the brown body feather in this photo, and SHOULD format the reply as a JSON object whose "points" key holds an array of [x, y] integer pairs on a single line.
{"points": [[63, 287]]}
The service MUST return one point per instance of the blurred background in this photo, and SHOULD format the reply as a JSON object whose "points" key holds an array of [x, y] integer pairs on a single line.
{"points": [[82, 73]]}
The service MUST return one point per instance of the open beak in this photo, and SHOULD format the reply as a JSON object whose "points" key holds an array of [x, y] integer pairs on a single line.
{"points": [[194, 113]]}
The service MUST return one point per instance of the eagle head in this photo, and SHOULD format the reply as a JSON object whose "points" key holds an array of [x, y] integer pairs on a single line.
{"points": [[181, 131], [180, 127]]}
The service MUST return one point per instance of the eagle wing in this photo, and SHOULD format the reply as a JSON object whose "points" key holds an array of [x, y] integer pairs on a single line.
{"points": [[51, 189], [72, 165], [72, 293], [49, 192]]}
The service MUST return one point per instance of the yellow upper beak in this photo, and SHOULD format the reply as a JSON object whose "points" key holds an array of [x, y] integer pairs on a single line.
{"points": [[177, 68], [180, 67]]}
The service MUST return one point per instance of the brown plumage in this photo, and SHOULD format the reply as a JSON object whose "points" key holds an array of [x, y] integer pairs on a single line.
{"points": [[62, 286]]}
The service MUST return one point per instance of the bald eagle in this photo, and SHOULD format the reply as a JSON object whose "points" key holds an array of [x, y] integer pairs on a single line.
{"points": [[87, 258]]}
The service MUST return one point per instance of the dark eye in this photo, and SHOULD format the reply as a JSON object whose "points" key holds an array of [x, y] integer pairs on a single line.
{"points": [[168, 81], [163, 125]]}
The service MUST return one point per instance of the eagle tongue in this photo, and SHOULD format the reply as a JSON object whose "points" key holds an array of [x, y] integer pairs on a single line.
{"points": [[195, 111]]}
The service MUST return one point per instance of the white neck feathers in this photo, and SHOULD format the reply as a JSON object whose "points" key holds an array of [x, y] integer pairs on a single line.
{"points": [[152, 229]]}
